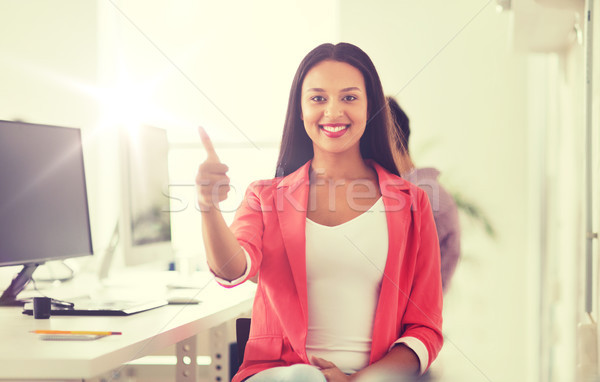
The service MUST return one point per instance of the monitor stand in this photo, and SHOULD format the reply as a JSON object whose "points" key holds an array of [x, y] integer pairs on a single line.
{"points": [[19, 282], [108, 254]]}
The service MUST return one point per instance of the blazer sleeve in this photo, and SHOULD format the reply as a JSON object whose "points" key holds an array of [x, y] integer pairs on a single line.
{"points": [[248, 228], [423, 315]]}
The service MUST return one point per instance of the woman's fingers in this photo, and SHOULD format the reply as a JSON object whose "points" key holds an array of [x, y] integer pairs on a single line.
{"points": [[213, 168], [212, 182], [330, 370], [211, 153], [213, 194], [322, 363]]}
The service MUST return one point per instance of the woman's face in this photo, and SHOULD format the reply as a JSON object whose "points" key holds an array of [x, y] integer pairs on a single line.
{"points": [[334, 106]]}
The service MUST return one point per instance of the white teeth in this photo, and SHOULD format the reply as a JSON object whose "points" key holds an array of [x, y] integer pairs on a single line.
{"points": [[333, 129]]}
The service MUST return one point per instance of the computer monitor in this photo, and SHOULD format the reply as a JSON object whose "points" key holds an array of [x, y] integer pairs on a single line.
{"points": [[43, 199], [146, 223]]}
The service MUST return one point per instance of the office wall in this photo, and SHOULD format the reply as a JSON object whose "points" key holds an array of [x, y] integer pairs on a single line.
{"points": [[596, 181], [48, 61], [103, 66], [569, 346], [452, 68], [48, 72], [225, 65], [558, 139]]}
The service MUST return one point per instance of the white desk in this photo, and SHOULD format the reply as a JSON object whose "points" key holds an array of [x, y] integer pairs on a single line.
{"points": [[24, 356]]}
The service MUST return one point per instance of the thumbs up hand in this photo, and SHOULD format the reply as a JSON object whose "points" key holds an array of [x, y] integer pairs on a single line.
{"points": [[212, 183]]}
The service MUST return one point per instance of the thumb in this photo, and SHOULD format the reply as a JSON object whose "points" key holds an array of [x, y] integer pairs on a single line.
{"points": [[208, 146]]}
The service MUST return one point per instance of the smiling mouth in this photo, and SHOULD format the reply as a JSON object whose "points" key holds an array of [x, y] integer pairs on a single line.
{"points": [[334, 128]]}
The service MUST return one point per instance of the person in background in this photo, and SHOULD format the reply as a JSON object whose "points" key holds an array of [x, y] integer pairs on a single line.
{"points": [[345, 250], [445, 212]]}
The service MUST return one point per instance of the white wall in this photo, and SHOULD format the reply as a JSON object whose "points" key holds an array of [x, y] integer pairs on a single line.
{"points": [[48, 72], [105, 65], [596, 181], [48, 58], [568, 345], [225, 65]]}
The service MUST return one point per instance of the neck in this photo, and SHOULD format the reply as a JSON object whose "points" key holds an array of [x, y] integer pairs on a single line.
{"points": [[340, 166]]}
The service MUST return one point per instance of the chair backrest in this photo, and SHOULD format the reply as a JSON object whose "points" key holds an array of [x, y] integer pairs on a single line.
{"points": [[242, 332]]}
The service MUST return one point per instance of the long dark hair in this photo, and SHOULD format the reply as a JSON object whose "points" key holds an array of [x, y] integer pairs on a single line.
{"points": [[297, 148], [400, 134], [401, 123]]}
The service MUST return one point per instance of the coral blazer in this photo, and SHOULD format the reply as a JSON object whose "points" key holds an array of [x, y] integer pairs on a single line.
{"points": [[270, 226]]}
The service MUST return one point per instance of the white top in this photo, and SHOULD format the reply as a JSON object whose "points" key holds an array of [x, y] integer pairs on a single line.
{"points": [[344, 268]]}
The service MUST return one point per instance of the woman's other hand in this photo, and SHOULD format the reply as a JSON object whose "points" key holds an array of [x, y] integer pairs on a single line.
{"points": [[329, 370]]}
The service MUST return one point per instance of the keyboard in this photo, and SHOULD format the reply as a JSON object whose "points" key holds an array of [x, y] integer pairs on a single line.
{"points": [[89, 307]]}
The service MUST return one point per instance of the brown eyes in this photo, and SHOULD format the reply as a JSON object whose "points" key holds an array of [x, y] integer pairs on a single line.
{"points": [[348, 98]]}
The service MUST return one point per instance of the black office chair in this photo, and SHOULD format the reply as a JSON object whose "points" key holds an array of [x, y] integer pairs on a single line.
{"points": [[242, 332]]}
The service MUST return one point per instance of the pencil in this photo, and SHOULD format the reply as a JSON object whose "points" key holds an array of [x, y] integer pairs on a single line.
{"points": [[77, 332]]}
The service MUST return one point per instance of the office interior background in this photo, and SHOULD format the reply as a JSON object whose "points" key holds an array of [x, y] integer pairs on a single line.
{"points": [[496, 94]]}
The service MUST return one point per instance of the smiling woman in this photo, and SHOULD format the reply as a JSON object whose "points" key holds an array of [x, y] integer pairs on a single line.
{"points": [[334, 269], [359, 73]]}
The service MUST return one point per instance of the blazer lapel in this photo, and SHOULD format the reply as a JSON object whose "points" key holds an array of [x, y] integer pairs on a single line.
{"points": [[291, 202], [396, 199]]}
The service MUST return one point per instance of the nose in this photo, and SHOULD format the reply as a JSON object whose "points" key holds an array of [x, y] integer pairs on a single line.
{"points": [[333, 110]]}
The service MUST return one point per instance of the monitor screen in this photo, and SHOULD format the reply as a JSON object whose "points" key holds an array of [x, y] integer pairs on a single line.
{"points": [[146, 207], [43, 198]]}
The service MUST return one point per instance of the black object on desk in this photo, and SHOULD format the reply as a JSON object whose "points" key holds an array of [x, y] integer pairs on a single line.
{"points": [[42, 307], [88, 307]]}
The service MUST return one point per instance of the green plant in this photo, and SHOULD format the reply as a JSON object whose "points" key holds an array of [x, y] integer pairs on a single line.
{"points": [[474, 212]]}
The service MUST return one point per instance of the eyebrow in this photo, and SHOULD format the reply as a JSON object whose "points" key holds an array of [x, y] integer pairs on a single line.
{"points": [[353, 88]]}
